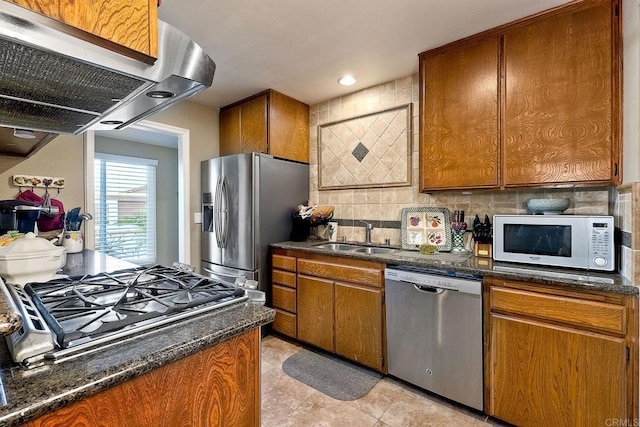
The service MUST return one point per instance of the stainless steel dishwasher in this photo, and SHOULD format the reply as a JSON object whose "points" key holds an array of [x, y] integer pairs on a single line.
{"points": [[434, 332]]}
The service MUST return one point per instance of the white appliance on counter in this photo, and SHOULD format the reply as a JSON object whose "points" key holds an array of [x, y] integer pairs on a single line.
{"points": [[248, 201], [575, 241]]}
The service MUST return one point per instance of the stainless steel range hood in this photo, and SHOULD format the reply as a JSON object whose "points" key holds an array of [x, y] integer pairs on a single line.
{"points": [[55, 83]]}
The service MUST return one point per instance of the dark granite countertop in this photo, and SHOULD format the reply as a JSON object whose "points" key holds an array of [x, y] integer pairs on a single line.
{"points": [[30, 393], [467, 263], [26, 394]]}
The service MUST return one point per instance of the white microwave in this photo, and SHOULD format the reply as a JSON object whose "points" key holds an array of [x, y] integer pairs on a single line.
{"points": [[575, 241]]}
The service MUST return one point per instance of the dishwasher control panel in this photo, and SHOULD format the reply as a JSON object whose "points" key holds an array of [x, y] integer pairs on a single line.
{"points": [[437, 281]]}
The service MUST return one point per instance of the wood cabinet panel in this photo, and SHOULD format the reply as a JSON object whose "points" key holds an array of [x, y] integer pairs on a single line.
{"points": [[285, 323], [558, 111], [284, 278], [230, 131], [253, 126], [542, 375], [553, 98], [288, 128], [132, 24], [283, 262], [218, 386], [355, 274], [315, 311], [459, 112], [589, 314], [358, 324], [284, 298], [268, 122]]}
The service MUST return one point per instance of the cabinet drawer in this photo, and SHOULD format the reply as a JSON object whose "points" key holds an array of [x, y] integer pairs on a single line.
{"points": [[348, 273], [284, 298], [283, 278], [285, 323], [590, 314], [284, 262]]}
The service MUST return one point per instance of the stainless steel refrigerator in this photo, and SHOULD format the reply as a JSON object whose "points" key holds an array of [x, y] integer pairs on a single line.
{"points": [[248, 201]]}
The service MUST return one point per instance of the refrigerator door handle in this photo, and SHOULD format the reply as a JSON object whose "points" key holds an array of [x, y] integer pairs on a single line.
{"points": [[217, 212], [224, 212]]}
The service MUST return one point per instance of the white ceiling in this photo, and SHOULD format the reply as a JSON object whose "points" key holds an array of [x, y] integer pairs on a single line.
{"points": [[301, 47]]}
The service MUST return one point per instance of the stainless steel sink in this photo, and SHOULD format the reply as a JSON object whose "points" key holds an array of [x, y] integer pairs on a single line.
{"points": [[374, 251], [337, 246]]}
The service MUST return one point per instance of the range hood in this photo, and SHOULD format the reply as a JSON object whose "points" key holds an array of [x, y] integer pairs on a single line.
{"points": [[53, 83]]}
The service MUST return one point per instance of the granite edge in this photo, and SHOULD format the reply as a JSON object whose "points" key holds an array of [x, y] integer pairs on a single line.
{"points": [[19, 414], [10, 317], [620, 288]]}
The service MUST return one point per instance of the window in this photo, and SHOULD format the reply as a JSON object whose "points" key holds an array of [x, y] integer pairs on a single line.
{"points": [[125, 201]]}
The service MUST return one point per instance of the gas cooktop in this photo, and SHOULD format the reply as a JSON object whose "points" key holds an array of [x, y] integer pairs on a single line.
{"points": [[78, 313]]}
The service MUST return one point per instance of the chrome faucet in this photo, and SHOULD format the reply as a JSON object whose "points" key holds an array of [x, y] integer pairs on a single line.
{"points": [[367, 231]]}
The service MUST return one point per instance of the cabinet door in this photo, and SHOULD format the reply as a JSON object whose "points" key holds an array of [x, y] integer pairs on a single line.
{"points": [[315, 311], [358, 324], [543, 375], [132, 24], [253, 125], [558, 112], [230, 131], [288, 128], [459, 118]]}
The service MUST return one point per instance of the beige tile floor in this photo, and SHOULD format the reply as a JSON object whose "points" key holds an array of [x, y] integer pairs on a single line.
{"points": [[288, 402]]}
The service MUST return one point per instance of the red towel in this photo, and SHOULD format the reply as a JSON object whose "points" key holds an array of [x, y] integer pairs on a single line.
{"points": [[45, 223]]}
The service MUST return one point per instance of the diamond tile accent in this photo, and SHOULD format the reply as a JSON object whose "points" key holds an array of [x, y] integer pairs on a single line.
{"points": [[360, 152], [366, 151]]}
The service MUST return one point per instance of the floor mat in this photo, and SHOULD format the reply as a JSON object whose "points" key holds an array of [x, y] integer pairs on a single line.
{"points": [[332, 376]]}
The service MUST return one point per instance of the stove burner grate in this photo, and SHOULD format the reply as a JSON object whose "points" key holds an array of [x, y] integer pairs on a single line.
{"points": [[80, 309]]}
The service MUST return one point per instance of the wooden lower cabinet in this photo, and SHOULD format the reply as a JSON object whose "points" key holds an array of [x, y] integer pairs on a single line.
{"points": [[358, 324], [283, 293], [339, 304], [315, 312], [218, 386], [340, 307], [543, 375], [558, 357]]}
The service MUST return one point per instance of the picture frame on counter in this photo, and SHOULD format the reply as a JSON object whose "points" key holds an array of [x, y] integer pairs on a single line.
{"points": [[426, 226]]}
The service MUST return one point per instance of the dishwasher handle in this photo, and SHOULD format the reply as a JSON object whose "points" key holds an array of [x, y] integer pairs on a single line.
{"points": [[428, 289]]}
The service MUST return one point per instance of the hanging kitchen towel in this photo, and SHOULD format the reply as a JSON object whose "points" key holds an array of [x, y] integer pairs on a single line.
{"points": [[45, 223]]}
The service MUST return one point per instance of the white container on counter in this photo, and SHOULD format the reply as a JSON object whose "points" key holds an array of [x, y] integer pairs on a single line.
{"points": [[31, 259]]}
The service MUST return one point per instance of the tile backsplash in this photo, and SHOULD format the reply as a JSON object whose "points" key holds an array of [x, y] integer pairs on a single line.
{"points": [[382, 206], [626, 213]]}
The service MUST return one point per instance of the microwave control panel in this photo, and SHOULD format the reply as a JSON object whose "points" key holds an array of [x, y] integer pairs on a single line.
{"points": [[601, 243]]}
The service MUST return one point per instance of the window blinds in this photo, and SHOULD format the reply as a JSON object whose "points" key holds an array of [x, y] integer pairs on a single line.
{"points": [[125, 203]]}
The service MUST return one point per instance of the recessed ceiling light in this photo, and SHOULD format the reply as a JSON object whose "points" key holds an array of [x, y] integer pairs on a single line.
{"points": [[347, 80]]}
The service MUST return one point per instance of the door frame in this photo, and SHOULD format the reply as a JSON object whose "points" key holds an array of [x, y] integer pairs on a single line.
{"points": [[184, 172]]}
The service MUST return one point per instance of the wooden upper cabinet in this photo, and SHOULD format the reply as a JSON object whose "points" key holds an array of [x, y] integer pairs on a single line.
{"points": [[230, 131], [558, 110], [536, 102], [129, 27], [268, 122], [288, 128], [253, 126], [459, 145]]}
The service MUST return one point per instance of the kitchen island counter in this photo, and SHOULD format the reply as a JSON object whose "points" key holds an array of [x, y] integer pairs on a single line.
{"points": [[467, 263], [29, 393]]}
